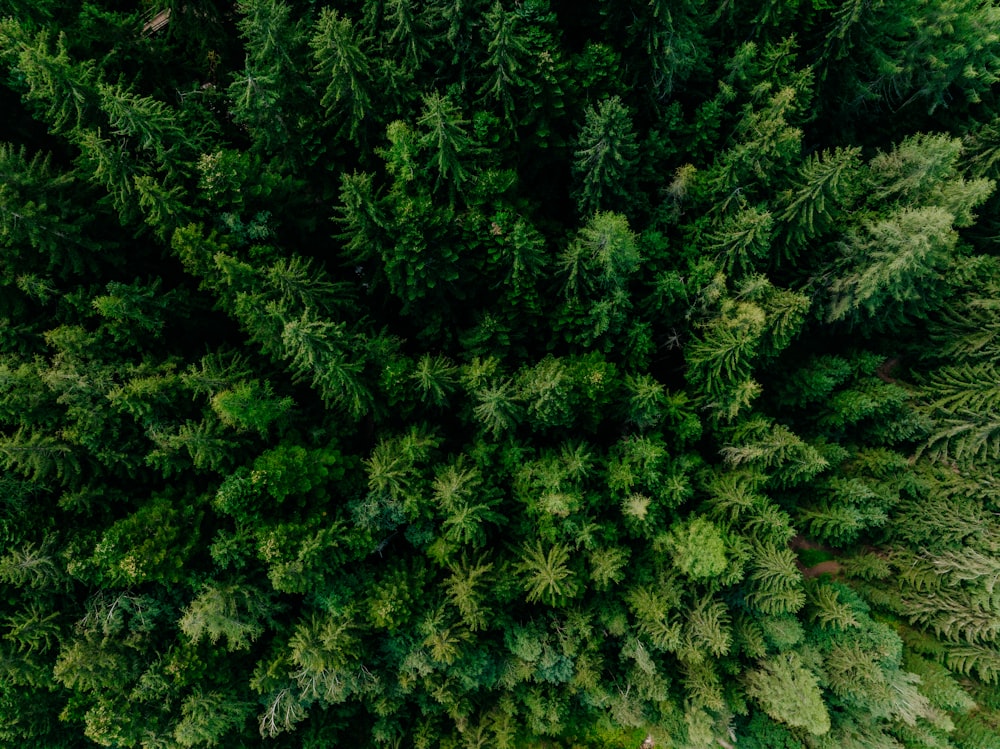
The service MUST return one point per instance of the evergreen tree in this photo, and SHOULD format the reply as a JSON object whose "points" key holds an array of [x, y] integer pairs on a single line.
{"points": [[446, 141], [605, 158], [789, 693], [265, 92], [439, 374], [344, 69]]}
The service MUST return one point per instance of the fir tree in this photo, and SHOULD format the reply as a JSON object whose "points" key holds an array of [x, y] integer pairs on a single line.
{"points": [[605, 158], [344, 70]]}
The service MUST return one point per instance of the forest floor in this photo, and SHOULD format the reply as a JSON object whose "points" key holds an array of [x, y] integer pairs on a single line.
{"points": [[814, 551]]}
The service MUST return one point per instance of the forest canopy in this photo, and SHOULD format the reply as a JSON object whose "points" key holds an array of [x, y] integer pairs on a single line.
{"points": [[481, 373]]}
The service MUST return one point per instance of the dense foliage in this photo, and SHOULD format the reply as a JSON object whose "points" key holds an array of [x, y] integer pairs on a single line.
{"points": [[473, 373]]}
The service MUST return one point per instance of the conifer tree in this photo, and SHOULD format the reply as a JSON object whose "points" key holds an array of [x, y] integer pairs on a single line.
{"points": [[343, 70], [438, 374], [789, 693], [595, 268], [264, 93], [407, 32], [508, 56], [605, 158], [445, 140]]}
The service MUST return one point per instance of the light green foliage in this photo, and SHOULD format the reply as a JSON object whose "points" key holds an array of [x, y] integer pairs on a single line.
{"points": [[760, 444], [789, 693], [436, 378], [891, 258], [899, 253], [546, 574], [594, 269], [288, 470], [697, 548], [758, 321], [250, 406], [37, 456], [743, 240], [607, 566], [133, 306], [776, 582], [230, 611], [53, 80], [827, 609], [765, 142], [30, 566], [207, 718], [151, 544]]}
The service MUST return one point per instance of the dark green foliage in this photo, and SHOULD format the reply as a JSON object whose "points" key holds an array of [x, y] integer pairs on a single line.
{"points": [[343, 70], [605, 158], [473, 373]]}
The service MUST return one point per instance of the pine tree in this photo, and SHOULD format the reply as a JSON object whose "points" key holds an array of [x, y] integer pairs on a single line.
{"points": [[497, 409], [595, 269], [708, 628], [743, 240], [913, 52], [39, 456], [765, 144], [509, 54], [605, 158], [64, 88], [409, 33], [466, 590], [364, 226], [891, 261], [673, 43], [150, 125], [110, 165], [31, 566], [35, 213], [283, 710], [325, 650], [230, 611], [317, 349], [527, 77], [251, 406], [697, 549], [444, 137], [546, 575], [776, 583], [826, 608], [789, 693], [436, 378], [343, 70], [207, 718], [825, 188], [264, 93]]}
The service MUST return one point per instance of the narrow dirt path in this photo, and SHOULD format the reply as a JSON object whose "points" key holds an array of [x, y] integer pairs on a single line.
{"points": [[829, 567]]}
